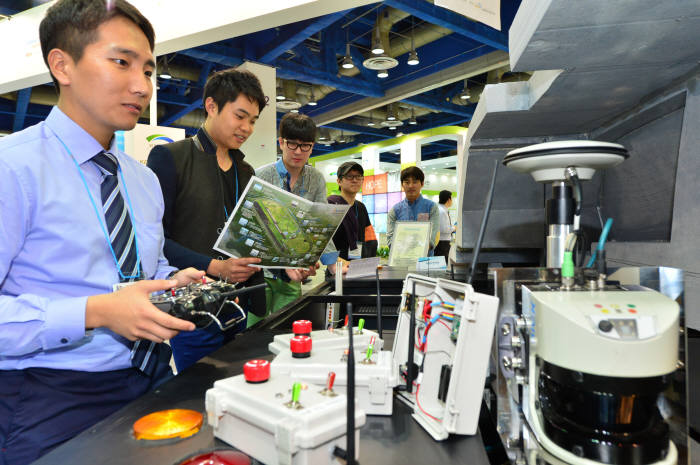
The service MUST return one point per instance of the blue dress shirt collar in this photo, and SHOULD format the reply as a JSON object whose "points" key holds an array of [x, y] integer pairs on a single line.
{"points": [[80, 143]]}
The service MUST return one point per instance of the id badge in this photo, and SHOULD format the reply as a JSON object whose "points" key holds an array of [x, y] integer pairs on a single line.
{"points": [[423, 216]]}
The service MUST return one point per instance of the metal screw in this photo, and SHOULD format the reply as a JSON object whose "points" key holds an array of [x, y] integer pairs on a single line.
{"points": [[505, 329]]}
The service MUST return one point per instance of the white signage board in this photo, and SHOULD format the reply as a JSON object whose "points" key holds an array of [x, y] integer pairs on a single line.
{"points": [[139, 141]]}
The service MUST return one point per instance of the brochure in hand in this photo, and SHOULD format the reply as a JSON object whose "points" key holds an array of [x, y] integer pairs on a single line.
{"points": [[282, 229]]}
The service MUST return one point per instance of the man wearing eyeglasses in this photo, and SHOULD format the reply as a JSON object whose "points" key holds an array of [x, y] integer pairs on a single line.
{"points": [[291, 173], [355, 238]]}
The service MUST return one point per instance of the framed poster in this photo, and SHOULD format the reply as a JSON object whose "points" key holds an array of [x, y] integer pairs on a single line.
{"points": [[410, 242]]}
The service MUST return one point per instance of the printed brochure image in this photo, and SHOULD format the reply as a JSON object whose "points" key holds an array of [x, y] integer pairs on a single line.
{"points": [[282, 229]]}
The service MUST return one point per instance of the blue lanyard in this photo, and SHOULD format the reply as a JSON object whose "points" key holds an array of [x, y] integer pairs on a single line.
{"points": [[102, 223], [235, 168]]}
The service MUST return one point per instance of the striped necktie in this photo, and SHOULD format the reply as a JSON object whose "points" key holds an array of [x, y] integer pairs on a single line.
{"points": [[144, 354]]}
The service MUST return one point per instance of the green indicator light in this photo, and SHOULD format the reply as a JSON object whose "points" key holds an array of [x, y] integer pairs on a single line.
{"points": [[296, 389], [369, 352], [360, 324], [631, 306]]}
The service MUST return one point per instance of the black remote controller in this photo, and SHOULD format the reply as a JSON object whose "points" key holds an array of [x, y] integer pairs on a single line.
{"points": [[202, 303]]}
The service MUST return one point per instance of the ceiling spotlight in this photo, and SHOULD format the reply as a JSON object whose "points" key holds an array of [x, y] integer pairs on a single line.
{"points": [[465, 93], [390, 114], [371, 121], [377, 47], [393, 128], [165, 72], [280, 94], [347, 62], [294, 111], [383, 74], [412, 56], [341, 139], [347, 59], [312, 101], [412, 120]]}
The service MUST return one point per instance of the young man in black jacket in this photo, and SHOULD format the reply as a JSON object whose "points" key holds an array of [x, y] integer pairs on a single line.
{"points": [[355, 235], [202, 178]]}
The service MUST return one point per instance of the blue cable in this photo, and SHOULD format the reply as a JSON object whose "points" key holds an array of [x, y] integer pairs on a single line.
{"points": [[601, 241]]}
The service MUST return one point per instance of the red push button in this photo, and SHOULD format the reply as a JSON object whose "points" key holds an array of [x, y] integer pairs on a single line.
{"points": [[598, 306], [218, 457], [631, 310], [256, 371], [301, 346], [301, 328]]}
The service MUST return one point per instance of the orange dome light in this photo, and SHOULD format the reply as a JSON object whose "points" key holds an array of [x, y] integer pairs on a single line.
{"points": [[167, 424]]}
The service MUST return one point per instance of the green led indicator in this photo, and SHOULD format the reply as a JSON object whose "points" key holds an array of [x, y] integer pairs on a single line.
{"points": [[296, 389], [631, 306], [360, 324]]}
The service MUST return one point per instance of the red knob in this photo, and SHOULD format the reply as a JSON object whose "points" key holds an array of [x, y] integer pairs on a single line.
{"points": [[301, 346], [256, 371], [301, 328]]}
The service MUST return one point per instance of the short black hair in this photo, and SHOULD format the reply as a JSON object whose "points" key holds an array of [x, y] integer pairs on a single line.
{"points": [[226, 85], [295, 126], [445, 196], [71, 25], [412, 172]]}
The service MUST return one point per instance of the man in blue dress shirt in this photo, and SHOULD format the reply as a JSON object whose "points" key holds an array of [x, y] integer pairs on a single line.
{"points": [[68, 356], [414, 207]]}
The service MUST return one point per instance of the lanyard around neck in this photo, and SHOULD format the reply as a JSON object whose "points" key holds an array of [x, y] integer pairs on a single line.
{"points": [[101, 221]]}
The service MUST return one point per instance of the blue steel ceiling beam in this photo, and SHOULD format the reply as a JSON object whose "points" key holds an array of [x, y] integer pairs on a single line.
{"points": [[329, 40], [306, 56], [21, 108], [173, 99], [357, 58], [289, 70], [293, 35], [226, 56], [456, 22], [195, 102], [170, 119], [435, 57], [439, 105]]}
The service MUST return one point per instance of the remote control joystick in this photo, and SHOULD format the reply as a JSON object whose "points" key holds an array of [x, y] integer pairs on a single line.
{"points": [[205, 303]]}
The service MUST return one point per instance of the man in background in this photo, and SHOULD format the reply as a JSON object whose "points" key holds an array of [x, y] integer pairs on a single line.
{"points": [[202, 178], [291, 173], [355, 236], [414, 207], [446, 228]]}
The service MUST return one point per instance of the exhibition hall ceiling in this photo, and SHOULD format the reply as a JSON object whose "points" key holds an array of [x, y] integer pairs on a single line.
{"points": [[431, 72]]}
